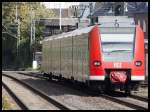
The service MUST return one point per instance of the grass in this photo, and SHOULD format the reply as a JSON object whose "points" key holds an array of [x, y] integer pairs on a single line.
{"points": [[5, 103], [31, 69]]}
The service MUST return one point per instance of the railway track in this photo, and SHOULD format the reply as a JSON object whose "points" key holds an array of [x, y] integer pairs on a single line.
{"points": [[132, 96], [144, 85], [15, 97], [122, 100], [144, 99], [127, 101], [141, 98], [36, 91]]}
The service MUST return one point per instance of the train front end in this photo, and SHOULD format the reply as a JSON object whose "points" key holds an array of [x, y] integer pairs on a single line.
{"points": [[117, 58]]}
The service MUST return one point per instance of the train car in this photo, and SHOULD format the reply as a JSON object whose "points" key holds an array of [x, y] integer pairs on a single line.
{"points": [[107, 56]]}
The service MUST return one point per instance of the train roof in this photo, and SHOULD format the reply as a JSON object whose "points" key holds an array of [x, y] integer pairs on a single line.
{"points": [[68, 34], [88, 29]]}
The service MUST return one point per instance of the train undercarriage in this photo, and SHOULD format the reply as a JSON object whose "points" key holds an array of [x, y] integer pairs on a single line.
{"points": [[105, 86]]}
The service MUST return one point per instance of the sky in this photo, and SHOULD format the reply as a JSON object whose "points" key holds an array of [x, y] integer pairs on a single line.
{"points": [[56, 4]]}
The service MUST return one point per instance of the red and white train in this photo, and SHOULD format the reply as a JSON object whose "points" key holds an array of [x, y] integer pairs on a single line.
{"points": [[107, 56]]}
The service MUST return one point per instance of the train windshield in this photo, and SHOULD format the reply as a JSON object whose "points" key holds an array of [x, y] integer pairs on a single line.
{"points": [[117, 43]]}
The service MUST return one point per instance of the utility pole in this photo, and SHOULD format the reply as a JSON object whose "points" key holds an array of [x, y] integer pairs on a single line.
{"points": [[34, 31], [31, 28], [16, 13], [18, 30], [31, 35], [17, 21], [60, 16], [91, 8], [33, 40], [32, 14], [17, 24]]}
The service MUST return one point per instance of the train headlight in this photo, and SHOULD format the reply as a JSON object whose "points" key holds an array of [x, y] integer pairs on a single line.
{"points": [[97, 63], [138, 63]]}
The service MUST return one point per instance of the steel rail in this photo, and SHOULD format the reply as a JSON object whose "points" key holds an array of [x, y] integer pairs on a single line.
{"points": [[108, 97], [139, 98], [40, 93], [19, 102], [128, 104]]}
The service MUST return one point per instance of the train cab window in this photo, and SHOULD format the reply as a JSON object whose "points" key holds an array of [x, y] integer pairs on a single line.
{"points": [[117, 43]]}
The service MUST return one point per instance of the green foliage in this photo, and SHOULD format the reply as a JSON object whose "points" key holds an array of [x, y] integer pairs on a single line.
{"points": [[5, 104], [26, 12]]}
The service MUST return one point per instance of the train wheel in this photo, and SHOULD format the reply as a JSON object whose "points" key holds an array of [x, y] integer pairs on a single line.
{"points": [[127, 93], [44, 74], [128, 86], [127, 90], [60, 78], [50, 76], [72, 80], [107, 86]]}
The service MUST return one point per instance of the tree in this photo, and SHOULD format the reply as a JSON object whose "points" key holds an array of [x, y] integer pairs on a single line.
{"points": [[24, 10]]}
